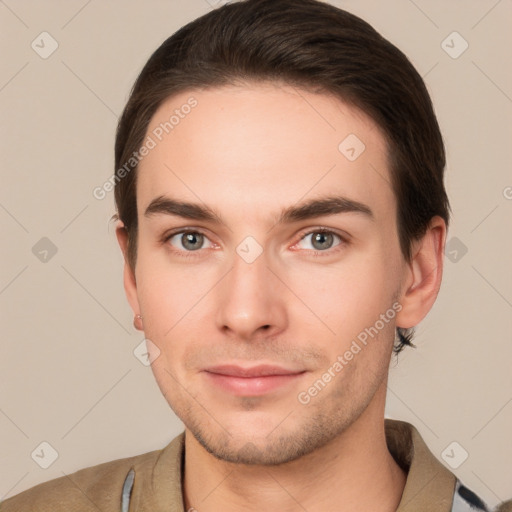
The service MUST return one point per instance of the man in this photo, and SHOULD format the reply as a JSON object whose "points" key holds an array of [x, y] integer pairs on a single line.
{"points": [[279, 186]]}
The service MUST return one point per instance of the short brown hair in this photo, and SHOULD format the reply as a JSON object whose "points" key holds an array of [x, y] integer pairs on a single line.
{"points": [[314, 46]]}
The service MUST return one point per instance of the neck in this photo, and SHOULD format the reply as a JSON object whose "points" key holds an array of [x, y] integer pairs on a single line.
{"points": [[354, 472]]}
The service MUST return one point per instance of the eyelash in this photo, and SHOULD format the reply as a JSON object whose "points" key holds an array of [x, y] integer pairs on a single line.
{"points": [[314, 253]]}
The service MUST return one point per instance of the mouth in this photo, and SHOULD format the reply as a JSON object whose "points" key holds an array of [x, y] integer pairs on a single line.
{"points": [[251, 381]]}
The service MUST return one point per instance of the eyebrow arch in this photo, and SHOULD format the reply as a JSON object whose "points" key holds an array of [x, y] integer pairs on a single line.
{"points": [[330, 205]]}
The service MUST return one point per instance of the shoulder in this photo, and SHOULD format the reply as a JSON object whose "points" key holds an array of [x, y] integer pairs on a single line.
{"points": [[90, 489], [430, 485], [506, 506]]}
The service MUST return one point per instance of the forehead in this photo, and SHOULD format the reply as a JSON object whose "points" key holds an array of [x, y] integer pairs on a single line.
{"points": [[259, 147]]}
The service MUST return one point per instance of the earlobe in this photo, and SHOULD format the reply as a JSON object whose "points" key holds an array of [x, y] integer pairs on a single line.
{"points": [[130, 284], [423, 275]]}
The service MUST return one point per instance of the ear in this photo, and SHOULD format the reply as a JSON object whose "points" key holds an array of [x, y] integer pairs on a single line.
{"points": [[130, 285], [423, 274]]}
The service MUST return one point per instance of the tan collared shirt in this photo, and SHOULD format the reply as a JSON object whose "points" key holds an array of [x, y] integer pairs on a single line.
{"points": [[151, 482]]}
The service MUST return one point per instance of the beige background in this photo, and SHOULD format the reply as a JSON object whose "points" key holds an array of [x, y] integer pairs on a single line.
{"points": [[68, 375]]}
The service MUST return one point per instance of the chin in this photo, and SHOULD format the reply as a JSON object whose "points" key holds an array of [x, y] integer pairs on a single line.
{"points": [[264, 453], [279, 442]]}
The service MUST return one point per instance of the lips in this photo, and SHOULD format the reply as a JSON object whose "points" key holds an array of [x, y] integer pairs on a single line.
{"points": [[251, 381], [262, 370]]}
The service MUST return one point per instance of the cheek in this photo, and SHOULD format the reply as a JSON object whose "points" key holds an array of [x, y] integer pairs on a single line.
{"points": [[169, 292], [173, 299], [348, 296]]}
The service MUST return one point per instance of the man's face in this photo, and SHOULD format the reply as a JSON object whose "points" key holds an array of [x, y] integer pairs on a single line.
{"points": [[250, 311]]}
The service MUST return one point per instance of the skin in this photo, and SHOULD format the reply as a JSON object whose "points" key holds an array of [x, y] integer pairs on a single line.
{"points": [[248, 152]]}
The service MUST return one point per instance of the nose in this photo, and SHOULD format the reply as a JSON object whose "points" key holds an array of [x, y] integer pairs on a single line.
{"points": [[250, 300]]}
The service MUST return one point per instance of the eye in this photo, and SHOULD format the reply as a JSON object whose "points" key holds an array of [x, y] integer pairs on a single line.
{"points": [[320, 240], [188, 241]]}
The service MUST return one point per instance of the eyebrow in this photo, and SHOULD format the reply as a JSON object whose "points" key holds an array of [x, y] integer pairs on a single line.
{"points": [[331, 205]]}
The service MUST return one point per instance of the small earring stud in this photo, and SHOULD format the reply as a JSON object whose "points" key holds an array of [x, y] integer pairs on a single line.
{"points": [[137, 322]]}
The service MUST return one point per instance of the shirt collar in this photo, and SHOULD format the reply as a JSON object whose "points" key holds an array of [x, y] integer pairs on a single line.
{"points": [[429, 485]]}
